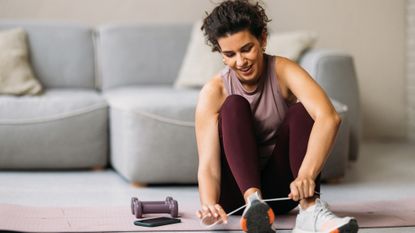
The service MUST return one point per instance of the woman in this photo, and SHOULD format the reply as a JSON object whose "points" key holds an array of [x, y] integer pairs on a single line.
{"points": [[263, 128]]}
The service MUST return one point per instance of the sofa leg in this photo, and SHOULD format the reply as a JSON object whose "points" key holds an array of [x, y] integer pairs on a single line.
{"points": [[137, 184], [97, 168], [335, 180]]}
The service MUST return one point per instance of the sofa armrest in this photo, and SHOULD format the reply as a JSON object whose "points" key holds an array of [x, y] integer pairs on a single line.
{"points": [[335, 72]]}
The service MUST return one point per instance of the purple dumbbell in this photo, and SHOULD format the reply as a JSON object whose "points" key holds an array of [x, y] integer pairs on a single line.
{"points": [[170, 206]]}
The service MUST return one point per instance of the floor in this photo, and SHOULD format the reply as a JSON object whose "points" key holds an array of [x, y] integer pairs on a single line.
{"points": [[384, 171]]}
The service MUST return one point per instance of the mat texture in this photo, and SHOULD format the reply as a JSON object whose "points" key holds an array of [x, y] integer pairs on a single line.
{"points": [[119, 218]]}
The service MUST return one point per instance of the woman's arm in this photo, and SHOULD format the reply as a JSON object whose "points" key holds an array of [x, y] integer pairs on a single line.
{"points": [[324, 130], [207, 137]]}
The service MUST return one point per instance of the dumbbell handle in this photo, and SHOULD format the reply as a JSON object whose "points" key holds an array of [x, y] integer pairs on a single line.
{"points": [[154, 202], [155, 208]]}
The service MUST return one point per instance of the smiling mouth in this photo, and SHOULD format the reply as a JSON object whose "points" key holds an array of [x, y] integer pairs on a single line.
{"points": [[246, 69]]}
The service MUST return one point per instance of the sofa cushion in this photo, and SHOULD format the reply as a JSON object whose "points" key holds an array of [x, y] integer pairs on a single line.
{"points": [[140, 54], [290, 44], [16, 75], [157, 102], [151, 129], [62, 54], [53, 104], [63, 128], [199, 64]]}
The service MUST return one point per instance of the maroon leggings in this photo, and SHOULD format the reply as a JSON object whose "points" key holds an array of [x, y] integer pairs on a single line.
{"points": [[240, 161]]}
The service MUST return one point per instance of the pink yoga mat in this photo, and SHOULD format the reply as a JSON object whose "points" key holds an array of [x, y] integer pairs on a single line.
{"points": [[106, 219]]}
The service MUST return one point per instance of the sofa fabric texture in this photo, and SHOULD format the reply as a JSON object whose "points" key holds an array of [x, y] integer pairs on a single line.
{"points": [[158, 123], [66, 127], [140, 54], [199, 63], [58, 129], [290, 44], [61, 54]]}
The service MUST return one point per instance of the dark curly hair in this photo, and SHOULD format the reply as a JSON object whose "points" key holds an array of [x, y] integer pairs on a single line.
{"points": [[233, 16]]}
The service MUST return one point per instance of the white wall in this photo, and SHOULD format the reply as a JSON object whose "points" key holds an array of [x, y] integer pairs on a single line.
{"points": [[373, 31], [410, 18]]}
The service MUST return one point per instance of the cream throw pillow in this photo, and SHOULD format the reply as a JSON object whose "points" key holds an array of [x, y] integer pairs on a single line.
{"points": [[290, 44], [16, 75], [199, 63]]}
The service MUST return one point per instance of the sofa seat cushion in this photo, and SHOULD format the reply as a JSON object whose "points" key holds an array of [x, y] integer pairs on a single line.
{"points": [[62, 128], [151, 129], [162, 103], [53, 104]]}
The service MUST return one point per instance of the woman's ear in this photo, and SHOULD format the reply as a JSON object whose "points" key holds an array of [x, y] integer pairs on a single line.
{"points": [[264, 40], [224, 60]]}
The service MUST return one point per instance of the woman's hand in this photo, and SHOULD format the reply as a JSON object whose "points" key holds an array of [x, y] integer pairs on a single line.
{"points": [[301, 188], [209, 214]]}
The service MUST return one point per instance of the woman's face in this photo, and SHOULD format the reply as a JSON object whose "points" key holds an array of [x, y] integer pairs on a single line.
{"points": [[242, 52]]}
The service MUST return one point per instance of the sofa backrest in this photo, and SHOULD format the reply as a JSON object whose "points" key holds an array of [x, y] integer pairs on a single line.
{"points": [[140, 54], [62, 54]]}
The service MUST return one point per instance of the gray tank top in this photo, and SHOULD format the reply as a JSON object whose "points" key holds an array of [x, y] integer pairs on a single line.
{"points": [[267, 105]]}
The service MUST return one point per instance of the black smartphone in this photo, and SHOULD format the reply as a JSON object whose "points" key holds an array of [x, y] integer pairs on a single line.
{"points": [[154, 222]]}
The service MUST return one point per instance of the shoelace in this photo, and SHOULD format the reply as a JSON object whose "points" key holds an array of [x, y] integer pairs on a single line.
{"points": [[325, 212], [240, 208], [322, 213]]}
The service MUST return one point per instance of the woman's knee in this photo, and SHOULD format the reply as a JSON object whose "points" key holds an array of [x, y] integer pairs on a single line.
{"points": [[235, 104]]}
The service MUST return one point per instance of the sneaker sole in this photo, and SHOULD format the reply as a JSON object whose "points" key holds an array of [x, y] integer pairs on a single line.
{"points": [[258, 219], [350, 227]]}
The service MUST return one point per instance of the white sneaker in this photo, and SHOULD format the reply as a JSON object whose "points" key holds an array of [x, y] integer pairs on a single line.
{"points": [[257, 217], [319, 219]]}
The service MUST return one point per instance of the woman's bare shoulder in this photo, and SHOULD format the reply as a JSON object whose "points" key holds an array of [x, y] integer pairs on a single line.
{"points": [[214, 87], [283, 62], [285, 65], [213, 93], [283, 68]]}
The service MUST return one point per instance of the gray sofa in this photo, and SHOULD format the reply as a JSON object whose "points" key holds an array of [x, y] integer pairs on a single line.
{"points": [[116, 95], [66, 127]]}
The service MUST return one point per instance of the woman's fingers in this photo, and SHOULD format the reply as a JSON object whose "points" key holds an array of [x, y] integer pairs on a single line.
{"points": [[199, 214], [208, 220], [311, 189], [206, 211], [307, 187], [222, 213], [205, 215], [214, 211], [301, 189], [211, 214], [294, 195]]}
